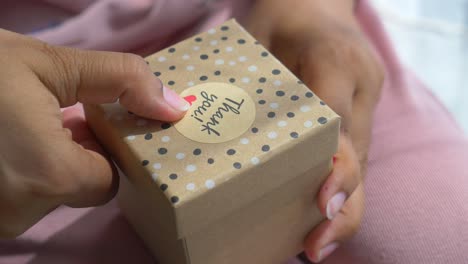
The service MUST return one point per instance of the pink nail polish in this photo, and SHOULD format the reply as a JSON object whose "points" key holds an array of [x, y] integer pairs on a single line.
{"points": [[327, 250], [174, 100], [334, 204]]}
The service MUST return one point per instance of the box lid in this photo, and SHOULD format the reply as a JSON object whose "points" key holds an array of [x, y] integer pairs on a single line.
{"points": [[252, 126]]}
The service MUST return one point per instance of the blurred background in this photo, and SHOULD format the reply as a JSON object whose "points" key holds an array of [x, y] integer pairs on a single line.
{"points": [[431, 37]]}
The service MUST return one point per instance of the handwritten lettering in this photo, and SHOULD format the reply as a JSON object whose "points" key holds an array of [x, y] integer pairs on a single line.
{"points": [[210, 122]]}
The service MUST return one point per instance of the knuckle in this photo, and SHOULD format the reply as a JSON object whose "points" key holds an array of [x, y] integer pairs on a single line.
{"points": [[132, 66]]}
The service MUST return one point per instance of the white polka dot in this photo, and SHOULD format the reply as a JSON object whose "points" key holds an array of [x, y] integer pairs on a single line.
{"points": [[277, 83], [232, 63], [131, 137], [252, 68], [190, 68], [219, 62], [255, 160], [308, 123], [244, 141], [196, 47], [229, 49], [165, 139], [154, 176], [191, 168], [157, 166], [180, 156], [305, 108], [185, 57], [282, 123], [272, 135], [210, 184], [190, 186], [161, 59], [245, 79], [274, 105], [213, 42], [141, 122], [190, 83], [212, 31], [242, 58]]}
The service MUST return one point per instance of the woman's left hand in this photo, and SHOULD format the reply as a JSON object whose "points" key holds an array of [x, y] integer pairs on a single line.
{"points": [[321, 42]]}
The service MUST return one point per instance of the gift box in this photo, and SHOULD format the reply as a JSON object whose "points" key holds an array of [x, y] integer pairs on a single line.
{"points": [[234, 181]]}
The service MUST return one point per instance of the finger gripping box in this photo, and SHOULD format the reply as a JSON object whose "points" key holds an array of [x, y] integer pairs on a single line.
{"points": [[235, 180]]}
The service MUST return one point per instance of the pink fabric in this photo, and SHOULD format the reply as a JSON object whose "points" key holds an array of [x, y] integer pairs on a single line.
{"points": [[417, 178]]}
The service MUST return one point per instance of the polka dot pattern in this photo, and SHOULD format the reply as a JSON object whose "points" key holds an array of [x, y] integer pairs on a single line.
{"points": [[285, 111]]}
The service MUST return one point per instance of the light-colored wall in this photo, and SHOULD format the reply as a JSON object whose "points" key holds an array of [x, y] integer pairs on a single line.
{"points": [[431, 37]]}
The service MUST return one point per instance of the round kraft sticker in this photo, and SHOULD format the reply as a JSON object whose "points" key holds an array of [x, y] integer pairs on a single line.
{"points": [[218, 113]]}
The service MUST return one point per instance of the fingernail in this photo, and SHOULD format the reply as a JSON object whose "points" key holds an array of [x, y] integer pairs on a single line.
{"points": [[326, 251], [334, 204], [174, 100]]}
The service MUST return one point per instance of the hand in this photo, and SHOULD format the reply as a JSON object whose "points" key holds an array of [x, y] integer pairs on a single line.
{"points": [[43, 164], [321, 42]]}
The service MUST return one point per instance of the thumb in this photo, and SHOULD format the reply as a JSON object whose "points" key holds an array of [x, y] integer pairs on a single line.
{"points": [[94, 77]]}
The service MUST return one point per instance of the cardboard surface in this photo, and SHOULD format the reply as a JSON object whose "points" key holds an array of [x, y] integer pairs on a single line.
{"points": [[252, 129]]}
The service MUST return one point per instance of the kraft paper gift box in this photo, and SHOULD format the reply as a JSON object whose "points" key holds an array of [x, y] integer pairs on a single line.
{"points": [[235, 180]]}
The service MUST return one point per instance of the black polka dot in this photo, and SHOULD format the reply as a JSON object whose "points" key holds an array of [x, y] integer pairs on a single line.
{"points": [[271, 114], [294, 134], [259, 91], [224, 28], [224, 38], [210, 161], [231, 80], [290, 114], [196, 151], [262, 79], [173, 176], [165, 125], [261, 102], [294, 98], [254, 130], [172, 50], [264, 54], [217, 72], [241, 41], [162, 151], [237, 165], [216, 51], [171, 82], [309, 94], [157, 73], [300, 82], [198, 39], [144, 162], [322, 103], [203, 56], [231, 152], [279, 93], [172, 68], [147, 62], [276, 71], [265, 148], [203, 78], [257, 42], [163, 187], [148, 136], [174, 199], [322, 120]]}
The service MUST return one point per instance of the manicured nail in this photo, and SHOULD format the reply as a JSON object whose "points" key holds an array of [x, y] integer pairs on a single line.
{"points": [[174, 100], [326, 251], [334, 204]]}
